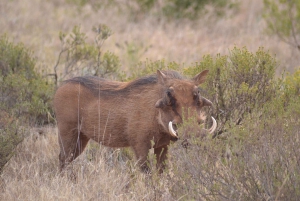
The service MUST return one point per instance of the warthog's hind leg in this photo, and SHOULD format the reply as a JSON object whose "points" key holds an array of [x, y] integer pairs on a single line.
{"points": [[71, 147]]}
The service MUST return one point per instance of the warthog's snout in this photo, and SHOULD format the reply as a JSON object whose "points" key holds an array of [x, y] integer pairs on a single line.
{"points": [[173, 128]]}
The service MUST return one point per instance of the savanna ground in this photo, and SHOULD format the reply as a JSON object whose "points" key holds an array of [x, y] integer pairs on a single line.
{"points": [[254, 160]]}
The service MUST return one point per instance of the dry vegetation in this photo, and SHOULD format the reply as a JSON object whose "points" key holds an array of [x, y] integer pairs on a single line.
{"points": [[255, 160], [37, 24], [33, 174], [257, 165]]}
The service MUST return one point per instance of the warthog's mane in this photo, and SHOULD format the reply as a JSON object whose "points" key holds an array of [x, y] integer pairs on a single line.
{"points": [[108, 87]]}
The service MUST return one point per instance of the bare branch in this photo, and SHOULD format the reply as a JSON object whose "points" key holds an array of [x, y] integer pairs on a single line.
{"points": [[293, 28], [284, 40]]}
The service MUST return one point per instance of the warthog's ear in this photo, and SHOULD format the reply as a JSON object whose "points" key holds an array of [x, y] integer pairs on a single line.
{"points": [[200, 78], [161, 77]]}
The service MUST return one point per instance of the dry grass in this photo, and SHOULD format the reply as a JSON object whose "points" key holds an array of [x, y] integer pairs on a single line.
{"points": [[32, 174], [37, 24], [255, 164]]}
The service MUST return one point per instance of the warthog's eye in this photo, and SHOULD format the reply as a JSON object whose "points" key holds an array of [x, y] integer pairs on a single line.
{"points": [[199, 102], [195, 95], [167, 100], [171, 101]]}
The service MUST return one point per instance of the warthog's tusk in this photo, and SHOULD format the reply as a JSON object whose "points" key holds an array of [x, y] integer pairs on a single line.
{"points": [[213, 127], [211, 130], [171, 130]]}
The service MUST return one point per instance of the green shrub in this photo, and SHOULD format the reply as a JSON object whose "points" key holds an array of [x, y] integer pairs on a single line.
{"points": [[291, 86], [258, 161], [25, 96], [237, 84], [181, 9], [282, 19], [189, 8], [259, 158], [170, 9], [77, 57], [24, 93]]}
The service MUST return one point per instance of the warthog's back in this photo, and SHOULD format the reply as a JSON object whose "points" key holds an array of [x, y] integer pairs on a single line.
{"points": [[107, 111]]}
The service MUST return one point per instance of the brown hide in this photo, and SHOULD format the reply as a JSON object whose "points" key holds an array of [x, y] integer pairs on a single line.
{"points": [[123, 114]]}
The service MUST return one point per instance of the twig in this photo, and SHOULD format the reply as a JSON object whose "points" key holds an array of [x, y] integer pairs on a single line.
{"points": [[293, 28]]}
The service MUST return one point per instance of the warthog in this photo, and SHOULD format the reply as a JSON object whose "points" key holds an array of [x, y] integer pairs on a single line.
{"points": [[123, 114]]}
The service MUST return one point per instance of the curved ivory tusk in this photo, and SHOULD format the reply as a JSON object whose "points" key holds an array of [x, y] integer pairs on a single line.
{"points": [[171, 130], [211, 130], [213, 127]]}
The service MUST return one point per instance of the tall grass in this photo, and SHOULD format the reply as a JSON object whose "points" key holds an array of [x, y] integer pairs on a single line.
{"points": [[33, 174], [259, 161]]}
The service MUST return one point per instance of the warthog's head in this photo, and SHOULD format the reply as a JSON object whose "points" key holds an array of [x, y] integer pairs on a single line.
{"points": [[181, 100]]}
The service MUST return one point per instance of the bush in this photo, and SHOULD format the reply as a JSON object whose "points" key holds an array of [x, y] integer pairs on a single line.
{"points": [[256, 162], [191, 9], [237, 84], [25, 96], [24, 93], [170, 9], [181, 9], [282, 19], [77, 57], [258, 158]]}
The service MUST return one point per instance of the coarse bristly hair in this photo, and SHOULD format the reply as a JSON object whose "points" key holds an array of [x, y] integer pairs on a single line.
{"points": [[123, 114], [96, 84]]}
